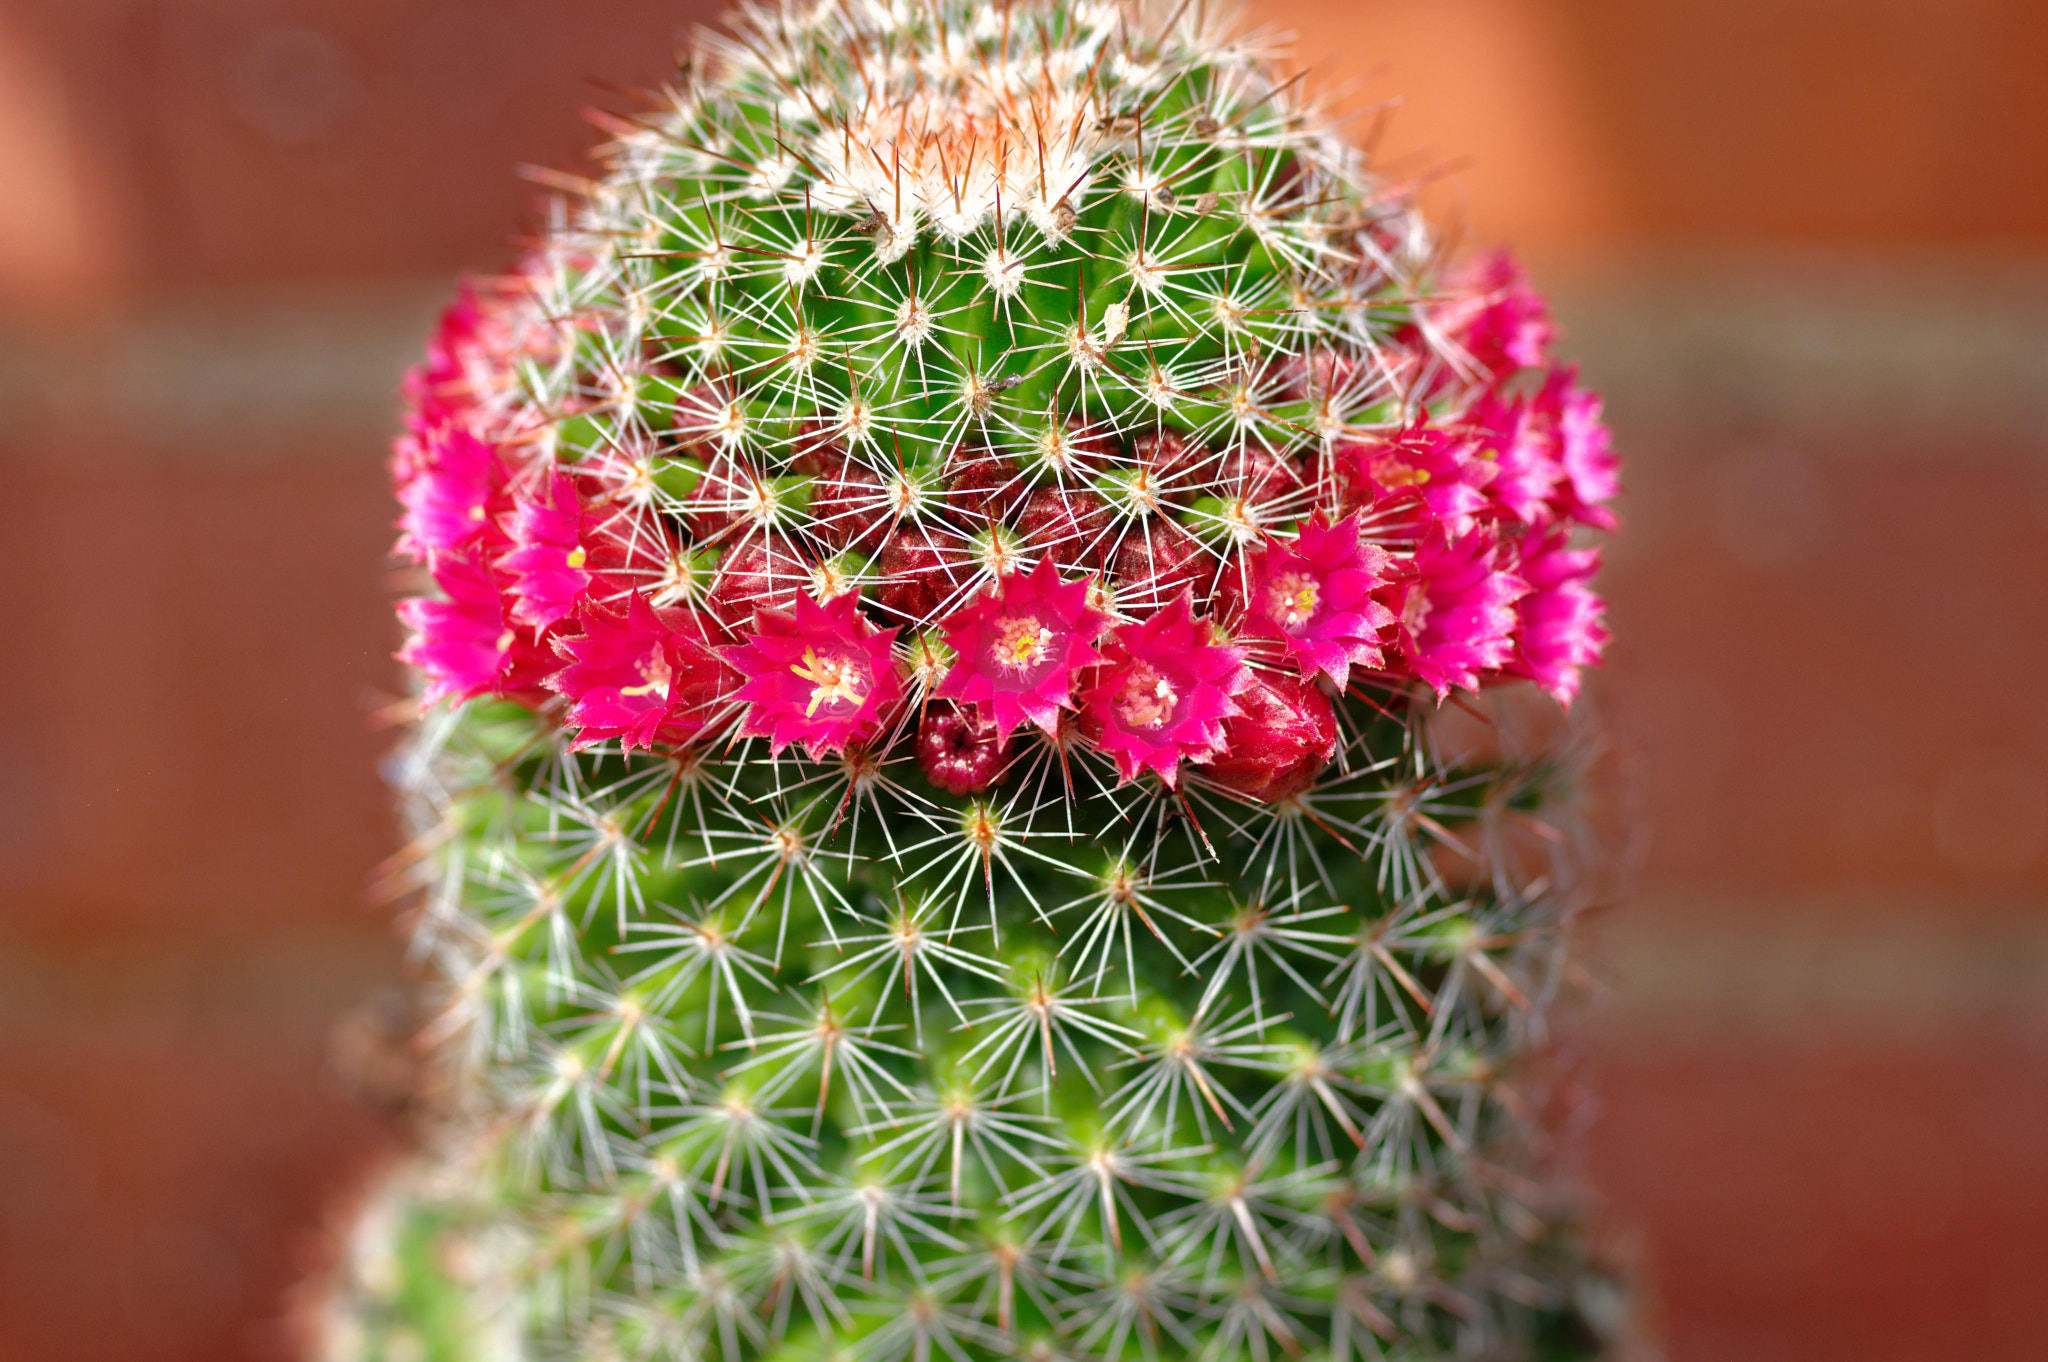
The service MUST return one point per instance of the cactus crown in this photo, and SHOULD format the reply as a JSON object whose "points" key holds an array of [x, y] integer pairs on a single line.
{"points": [[943, 839]]}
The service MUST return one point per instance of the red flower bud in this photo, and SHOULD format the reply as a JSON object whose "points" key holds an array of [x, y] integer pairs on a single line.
{"points": [[917, 567], [761, 572], [981, 486], [1074, 527], [958, 749], [850, 507], [1278, 743]]}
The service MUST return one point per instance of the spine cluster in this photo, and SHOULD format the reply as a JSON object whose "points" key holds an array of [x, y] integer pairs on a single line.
{"points": [[973, 575]]}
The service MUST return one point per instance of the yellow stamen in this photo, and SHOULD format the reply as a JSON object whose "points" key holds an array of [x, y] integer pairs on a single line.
{"points": [[833, 680]]}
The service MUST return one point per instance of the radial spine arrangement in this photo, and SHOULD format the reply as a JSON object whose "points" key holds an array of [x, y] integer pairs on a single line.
{"points": [[994, 619]]}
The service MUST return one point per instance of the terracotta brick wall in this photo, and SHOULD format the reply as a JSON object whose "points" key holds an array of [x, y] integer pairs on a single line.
{"points": [[1803, 246]]}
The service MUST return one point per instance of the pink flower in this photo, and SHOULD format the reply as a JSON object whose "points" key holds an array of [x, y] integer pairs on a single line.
{"points": [[470, 356], [438, 389], [1592, 472], [1436, 469], [1457, 612], [1500, 321], [461, 642], [1315, 597], [1279, 742], [1018, 647], [1559, 629], [1162, 693], [1521, 441], [546, 562], [822, 676], [445, 479], [647, 677]]}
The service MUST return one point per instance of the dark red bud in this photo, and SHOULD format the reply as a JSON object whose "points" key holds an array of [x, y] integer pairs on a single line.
{"points": [[1156, 559], [958, 750], [850, 508], [918, 567], [1279, 744], [763, 571], [818, 450], [721, 495], [698, 414], [1074, 527], [1256, 476], [1175, 467], [1095, 446], [981, 486]]}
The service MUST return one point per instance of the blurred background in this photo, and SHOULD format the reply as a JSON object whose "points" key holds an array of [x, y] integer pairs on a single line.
{"points": [[1802, 245]]}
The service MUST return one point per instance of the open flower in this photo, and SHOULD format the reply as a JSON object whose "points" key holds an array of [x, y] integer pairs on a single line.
{"points": [[460, 641], [1558, 630], [438, 389], [1018, 647], [1497, 319], [645, 677], [820, 675], [546, 562], [445, 479], [1315, 597], [1162, 692], [1592, 472], [1278, 743], [1457, 612], [1437, 472]]}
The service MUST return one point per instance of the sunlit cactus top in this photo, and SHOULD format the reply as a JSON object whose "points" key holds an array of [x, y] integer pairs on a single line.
{"points": [[943, 558]]}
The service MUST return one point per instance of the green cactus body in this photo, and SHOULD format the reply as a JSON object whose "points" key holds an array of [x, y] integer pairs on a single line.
{"points": [[1166, 996]]}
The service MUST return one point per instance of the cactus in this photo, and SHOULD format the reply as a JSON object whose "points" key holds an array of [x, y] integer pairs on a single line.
{"points": [[994, 619]]}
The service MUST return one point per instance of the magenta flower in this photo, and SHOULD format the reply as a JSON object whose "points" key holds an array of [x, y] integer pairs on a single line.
{"points": [[461, 641], [1592, 472], [1521, 441], [1457, 612], [546, 562], [1279, 742], [438, 389], [1315, 597], [1162, 692], [1559, 630], [1435, 469], [1018, 647], [821, 676], [648, 678], [1500, 321], [445, 480]]}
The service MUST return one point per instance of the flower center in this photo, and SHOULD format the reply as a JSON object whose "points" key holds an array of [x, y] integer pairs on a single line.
{"points": [[1147, 699], [1388, 471], [655, 675], [1415, 613], [835, 680], [1021, 643], [1291, 599]]}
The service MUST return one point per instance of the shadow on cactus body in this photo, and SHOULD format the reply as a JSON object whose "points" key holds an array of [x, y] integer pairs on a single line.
{"points": [[974, 812]]}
